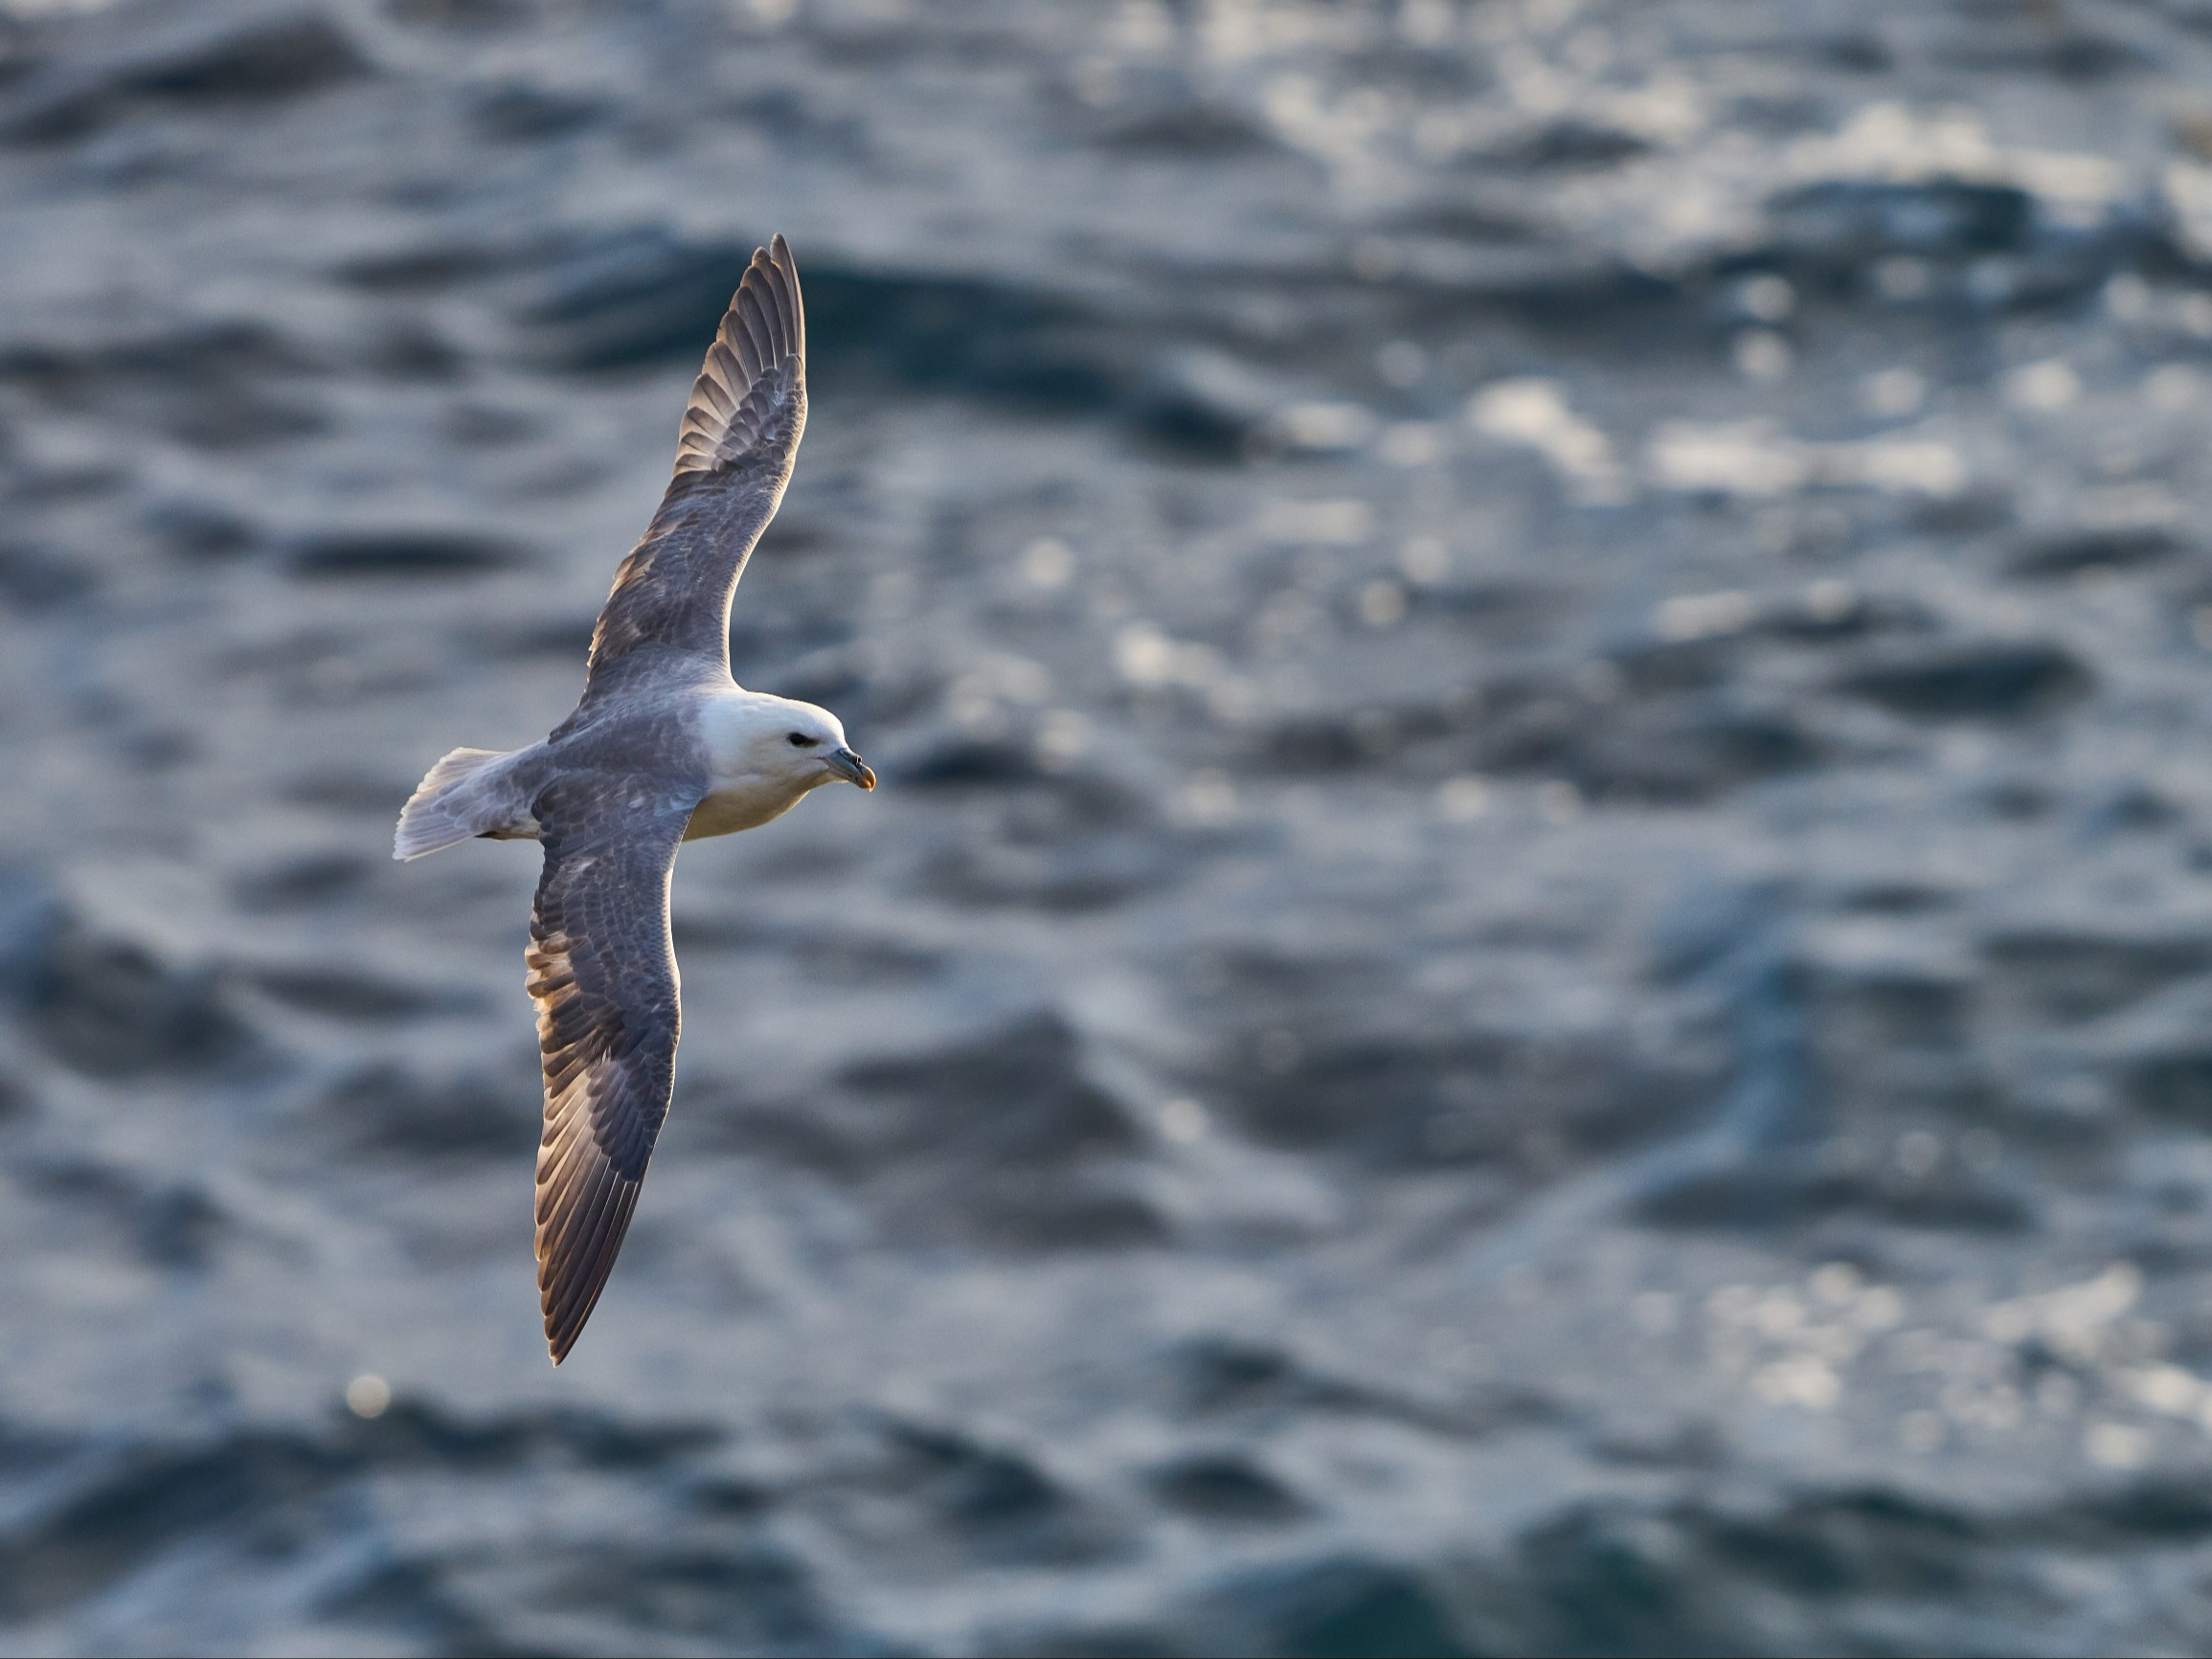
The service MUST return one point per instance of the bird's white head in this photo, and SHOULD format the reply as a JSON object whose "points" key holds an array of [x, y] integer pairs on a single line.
{"points": [[779, 740]]}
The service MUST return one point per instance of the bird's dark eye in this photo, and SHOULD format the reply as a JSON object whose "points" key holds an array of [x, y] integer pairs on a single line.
{"points": [[799, 740]]}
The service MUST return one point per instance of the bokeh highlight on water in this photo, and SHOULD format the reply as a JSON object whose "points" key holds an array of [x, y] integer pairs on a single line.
{"points": [[1534, 970]]}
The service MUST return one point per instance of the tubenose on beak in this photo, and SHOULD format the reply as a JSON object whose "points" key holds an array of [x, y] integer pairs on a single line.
{"points": [[850, 767]]}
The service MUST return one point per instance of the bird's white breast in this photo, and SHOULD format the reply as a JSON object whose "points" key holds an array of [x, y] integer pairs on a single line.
{"points": [[731, 723]]}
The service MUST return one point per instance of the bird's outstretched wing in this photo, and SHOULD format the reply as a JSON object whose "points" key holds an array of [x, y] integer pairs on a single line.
{"points": [[602, 971], [741, 434]]}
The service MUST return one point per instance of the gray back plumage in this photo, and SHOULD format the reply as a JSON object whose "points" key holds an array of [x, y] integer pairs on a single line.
{"points": [[733, 457]]}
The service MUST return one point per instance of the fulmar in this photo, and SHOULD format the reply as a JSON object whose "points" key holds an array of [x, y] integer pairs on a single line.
{"points": [[663, 747]]}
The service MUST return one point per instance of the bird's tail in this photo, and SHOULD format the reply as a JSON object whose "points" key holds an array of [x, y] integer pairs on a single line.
{"points": [[450, 804]]}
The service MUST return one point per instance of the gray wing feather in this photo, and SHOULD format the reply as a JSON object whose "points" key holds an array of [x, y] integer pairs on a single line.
{"points": [[739, 439], [602, 971]]}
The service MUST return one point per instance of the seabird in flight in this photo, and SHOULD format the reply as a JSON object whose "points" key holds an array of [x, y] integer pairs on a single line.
{"points": [[663, 748]]}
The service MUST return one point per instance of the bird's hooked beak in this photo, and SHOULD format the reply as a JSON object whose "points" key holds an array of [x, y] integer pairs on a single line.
{"points": [[850, 767]]}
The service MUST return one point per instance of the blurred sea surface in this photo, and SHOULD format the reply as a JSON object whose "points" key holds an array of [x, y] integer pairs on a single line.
{"points": [[1535, 969]]}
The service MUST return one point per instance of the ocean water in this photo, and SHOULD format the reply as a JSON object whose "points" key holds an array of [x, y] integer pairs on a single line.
{"points": [[1534, 972]]}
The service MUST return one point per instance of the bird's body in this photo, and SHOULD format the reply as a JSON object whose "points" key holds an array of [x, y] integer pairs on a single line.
{"points": [[720, 738], [663, 748]]}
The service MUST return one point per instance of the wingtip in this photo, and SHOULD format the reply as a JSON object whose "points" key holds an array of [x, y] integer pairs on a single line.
{"points": [[776, 254], [559, 1342], [780, 251], [763, 329], [779, 254]]}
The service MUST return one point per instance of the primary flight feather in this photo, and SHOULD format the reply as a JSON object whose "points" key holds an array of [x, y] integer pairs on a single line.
{"points": [[663, 748]]}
